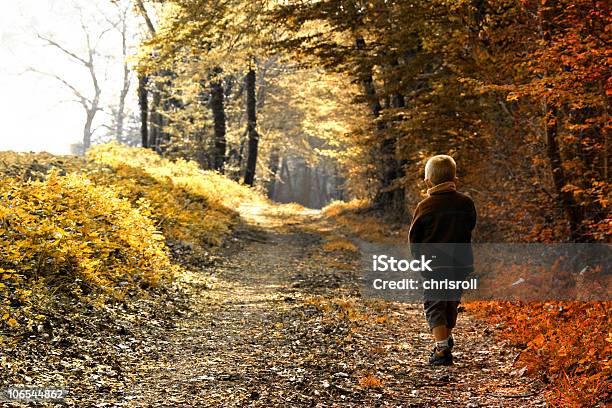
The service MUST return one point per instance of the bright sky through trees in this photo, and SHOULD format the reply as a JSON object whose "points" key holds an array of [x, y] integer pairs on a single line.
{"points": [[38, 112]]}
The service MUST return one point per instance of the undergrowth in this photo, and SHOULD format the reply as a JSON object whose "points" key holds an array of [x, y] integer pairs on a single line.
{"points": [[103, 227], [368, 224], [567, 344]]}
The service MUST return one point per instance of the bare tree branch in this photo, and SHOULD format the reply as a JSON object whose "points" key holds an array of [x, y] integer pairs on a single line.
{"points": [[83, 100], [145, 16], [62, 49], [90, 105]]}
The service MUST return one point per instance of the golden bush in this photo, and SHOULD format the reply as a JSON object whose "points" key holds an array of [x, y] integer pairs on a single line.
{"points": [[66, 229], [104, 224], [191, 206]]}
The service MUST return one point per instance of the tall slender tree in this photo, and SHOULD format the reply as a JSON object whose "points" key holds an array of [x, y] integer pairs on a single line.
{"points": [[253, 135], [217, 106], [143, 80]]}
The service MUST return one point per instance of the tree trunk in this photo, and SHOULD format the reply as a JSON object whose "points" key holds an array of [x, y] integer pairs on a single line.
{"points": [[339, 184], [306, 186], [251, 109], [564, 198], [324, 182], [285, 176], [367, 82], [87, 130], [390, 197], [142, 83], [125, 89], [121, 115], [218, 111], [319, 193], [273, 167], [143, 102], [397, 98], [154, 118], [240, 159]]}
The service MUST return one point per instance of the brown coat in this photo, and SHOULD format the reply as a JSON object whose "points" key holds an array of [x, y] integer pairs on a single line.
{"points": [[442, 230], [446, 216]]}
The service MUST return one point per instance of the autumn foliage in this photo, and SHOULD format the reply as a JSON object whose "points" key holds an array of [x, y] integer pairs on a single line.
{"points": [[66, 227], [566, 344], [518, 91], [191, 207], [105, 227]]}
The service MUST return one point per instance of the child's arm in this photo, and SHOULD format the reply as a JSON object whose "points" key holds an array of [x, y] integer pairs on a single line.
{"points": [[473, 217], [416, 232]]}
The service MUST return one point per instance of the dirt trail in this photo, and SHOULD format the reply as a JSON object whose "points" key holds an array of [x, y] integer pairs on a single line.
{"points": [[283, 325]]}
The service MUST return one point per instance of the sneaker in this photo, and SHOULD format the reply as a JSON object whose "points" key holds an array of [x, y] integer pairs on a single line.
{"points": [[442, 357], [451, 342]]}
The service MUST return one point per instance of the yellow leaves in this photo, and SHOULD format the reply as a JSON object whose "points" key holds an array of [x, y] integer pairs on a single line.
{"points": [[191, 206], [337, 243], [367, 227], [107, 228], [68, 223], [9, 320], [382, 319], [336, 208]]}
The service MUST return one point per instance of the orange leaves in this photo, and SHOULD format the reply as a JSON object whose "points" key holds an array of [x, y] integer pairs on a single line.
{"points": [[566, 341], [512, 96], [369, 381], [538, 342]]}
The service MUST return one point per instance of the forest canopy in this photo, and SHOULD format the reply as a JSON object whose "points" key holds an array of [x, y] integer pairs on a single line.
{"points": [[342, 99]]}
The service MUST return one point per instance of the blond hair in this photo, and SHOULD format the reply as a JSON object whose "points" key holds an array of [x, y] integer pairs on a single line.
{"points": [[440, 168]]}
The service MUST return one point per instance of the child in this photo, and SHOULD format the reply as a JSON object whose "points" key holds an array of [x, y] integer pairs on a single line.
{"points": [[445, 216]]}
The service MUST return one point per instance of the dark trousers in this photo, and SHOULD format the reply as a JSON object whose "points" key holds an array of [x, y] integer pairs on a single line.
{"points": [[441, 313], [441, 304]]}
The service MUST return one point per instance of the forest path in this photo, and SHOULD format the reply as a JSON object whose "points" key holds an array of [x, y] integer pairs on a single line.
{"points": [[284, 326]]}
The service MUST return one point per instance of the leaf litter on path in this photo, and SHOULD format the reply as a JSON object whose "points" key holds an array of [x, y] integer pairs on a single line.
{"points": [[282, 323]]}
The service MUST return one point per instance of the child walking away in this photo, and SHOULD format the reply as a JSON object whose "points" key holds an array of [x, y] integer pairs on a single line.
{"points": [[444, 217]]}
